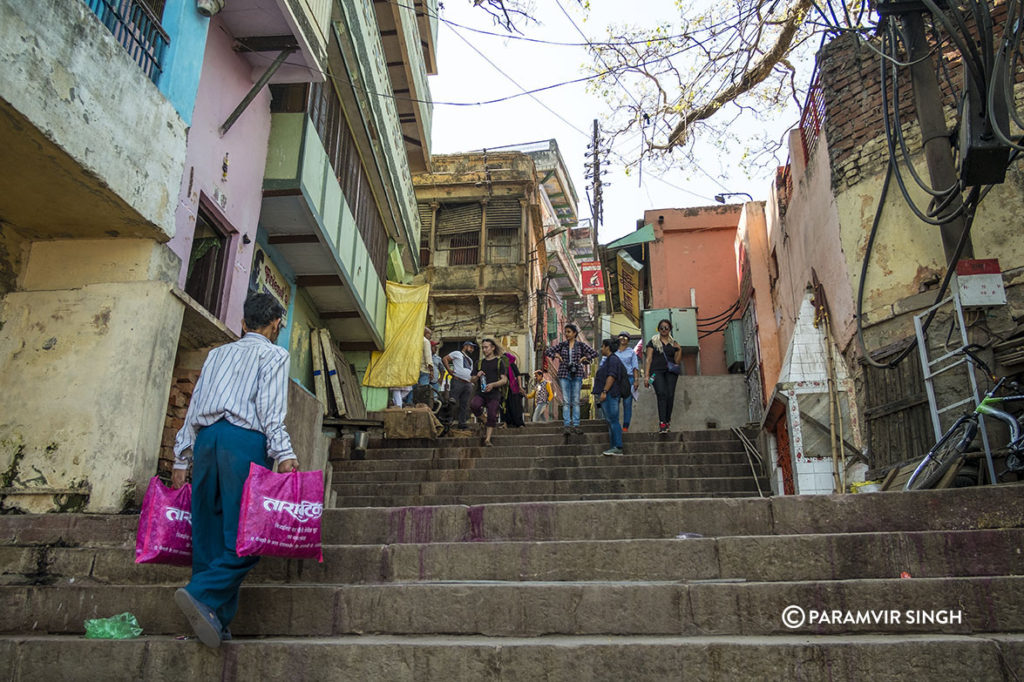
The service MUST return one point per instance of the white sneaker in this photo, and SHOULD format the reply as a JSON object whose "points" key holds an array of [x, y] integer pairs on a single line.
{"points": [[612, 452]]}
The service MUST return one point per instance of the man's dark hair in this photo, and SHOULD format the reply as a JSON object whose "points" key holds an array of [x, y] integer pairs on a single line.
{"points": [[612, 344], [260, 310]]}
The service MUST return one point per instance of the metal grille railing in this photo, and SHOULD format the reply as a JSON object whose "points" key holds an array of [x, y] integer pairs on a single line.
{"points": [[812, 118], [137, 28], [784, 187]]}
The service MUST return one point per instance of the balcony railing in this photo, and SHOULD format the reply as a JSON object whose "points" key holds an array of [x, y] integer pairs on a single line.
{"points": [[137, 28], [812, 118]]}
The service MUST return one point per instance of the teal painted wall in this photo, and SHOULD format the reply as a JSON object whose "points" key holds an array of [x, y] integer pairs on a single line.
{"points": [[183, 59], [325, 197], [304, 320], [359, 28]]}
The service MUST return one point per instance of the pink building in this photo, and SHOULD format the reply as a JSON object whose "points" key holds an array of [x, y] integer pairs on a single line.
{"points": [[693, 264]]}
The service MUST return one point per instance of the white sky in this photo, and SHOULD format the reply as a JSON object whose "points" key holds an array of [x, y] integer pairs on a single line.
{"points": [[464, 75]]}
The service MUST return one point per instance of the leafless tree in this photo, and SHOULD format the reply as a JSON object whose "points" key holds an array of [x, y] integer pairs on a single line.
{"points": [[711, 75]]}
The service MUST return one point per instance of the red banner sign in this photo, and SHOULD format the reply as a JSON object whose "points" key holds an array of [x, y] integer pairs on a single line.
{"points": [[593, 279]]}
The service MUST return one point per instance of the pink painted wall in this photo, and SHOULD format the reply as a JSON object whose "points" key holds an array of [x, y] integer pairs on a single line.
{"points": [[695, 248], [752, 234], [235, 201], [808, 238]]}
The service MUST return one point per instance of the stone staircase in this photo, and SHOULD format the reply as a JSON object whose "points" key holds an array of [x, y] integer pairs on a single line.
{"points": [[508, 585], [539, 463]]}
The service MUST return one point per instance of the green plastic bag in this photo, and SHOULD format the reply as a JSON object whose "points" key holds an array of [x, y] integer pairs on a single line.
{"points": [[121, 626]]}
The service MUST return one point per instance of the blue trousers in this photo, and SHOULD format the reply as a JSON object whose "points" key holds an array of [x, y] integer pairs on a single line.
{"points": [[571, 398], [221, 458], [610, 407], [627, 404]]}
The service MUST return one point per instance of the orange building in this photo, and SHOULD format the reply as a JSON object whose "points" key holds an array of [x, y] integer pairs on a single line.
{"points": [[693, 264]]}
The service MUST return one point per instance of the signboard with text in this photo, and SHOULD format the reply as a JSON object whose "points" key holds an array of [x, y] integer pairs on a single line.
{"points": [[629, 286], [593, 279], [268, 278]]}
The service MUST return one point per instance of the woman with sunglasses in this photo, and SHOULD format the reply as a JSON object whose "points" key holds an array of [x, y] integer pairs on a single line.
{"points": [[662, 365], [574, 358]]}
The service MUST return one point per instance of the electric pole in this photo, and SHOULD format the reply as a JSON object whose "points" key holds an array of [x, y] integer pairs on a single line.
{"points": [[934, 135], [597, 215]]}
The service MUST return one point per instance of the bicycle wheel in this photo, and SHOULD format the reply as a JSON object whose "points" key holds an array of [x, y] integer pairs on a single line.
{"points": [[943, 455]]}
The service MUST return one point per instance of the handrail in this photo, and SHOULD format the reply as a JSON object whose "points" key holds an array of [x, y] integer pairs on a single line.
{"points": [[752, 453]]}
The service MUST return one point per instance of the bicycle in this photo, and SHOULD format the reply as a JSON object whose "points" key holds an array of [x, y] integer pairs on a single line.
{"points": [[953, 444]]}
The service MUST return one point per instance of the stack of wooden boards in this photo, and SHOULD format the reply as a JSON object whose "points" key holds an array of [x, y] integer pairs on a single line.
{"points": [[335, 383]]}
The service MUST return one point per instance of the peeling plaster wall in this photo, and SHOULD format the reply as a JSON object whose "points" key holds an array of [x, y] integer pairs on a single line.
{"points": [[64, 72], [95, 366], [12, 248], [810, 237]]}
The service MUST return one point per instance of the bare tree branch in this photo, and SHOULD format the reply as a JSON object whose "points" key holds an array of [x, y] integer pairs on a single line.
{"points": [[752, 77]]}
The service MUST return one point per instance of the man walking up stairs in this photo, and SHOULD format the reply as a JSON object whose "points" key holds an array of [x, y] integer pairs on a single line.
{"points": [[540, 559]]}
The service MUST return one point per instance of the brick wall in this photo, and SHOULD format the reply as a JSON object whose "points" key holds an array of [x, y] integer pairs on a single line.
{"points": [[182, 385], [850, 77]]}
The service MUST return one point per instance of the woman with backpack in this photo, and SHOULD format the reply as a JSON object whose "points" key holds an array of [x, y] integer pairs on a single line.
{"points": [[491, 378], [662, 367], [542, 391], [574, 358]]}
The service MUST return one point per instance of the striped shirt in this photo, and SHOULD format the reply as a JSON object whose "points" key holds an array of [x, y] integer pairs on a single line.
{"points": [[246, 383]]}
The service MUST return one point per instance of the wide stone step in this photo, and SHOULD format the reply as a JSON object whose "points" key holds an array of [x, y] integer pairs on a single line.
{"points": [[441, 449], [882, 658], [956, 605], [611, 470], [590, 460], [546, 487], [981, 507], [524, 438], [932, 554], [481, 500]]}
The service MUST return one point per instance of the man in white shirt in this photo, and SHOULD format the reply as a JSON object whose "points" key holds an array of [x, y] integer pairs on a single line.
{"points": [[427, 363], [460, 365], [236, 417]]}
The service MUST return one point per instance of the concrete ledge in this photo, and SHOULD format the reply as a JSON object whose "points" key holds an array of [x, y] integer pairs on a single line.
{"points": [[700, 400]]}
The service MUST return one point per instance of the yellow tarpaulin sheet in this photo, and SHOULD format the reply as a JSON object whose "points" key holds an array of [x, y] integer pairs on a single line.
{"points": [[399, 363]]}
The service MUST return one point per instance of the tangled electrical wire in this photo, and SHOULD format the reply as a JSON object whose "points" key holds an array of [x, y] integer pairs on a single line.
{"points": [[968, 28]]}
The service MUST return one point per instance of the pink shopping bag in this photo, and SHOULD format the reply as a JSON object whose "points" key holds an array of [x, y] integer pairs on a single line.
{"points": [[281, 514], [165, 526]]}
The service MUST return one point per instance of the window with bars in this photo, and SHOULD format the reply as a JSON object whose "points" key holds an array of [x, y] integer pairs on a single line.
{"points": [[504, 219], [426, 213], [457, 234]]}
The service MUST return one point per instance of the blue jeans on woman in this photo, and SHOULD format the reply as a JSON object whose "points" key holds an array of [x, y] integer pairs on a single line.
{"points": [[571, 396]]}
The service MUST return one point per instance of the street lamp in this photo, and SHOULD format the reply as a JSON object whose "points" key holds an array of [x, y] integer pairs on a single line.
{"points": [[720, 198]]}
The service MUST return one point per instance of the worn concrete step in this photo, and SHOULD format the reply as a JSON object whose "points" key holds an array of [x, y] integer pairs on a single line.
{"points": [[961, 605], [476, 449], [780, 558], [882, 658], [351, 502], [611, 470], [524, 438], [547, 487], [981, 507], [591, 460]]}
